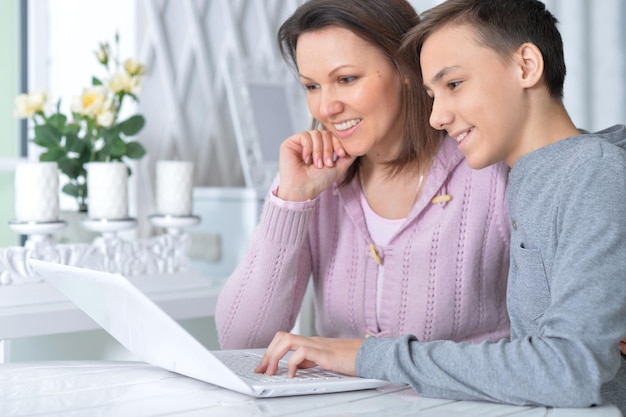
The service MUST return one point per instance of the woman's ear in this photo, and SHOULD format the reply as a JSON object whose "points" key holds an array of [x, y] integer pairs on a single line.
{"points": [[530, 61]]}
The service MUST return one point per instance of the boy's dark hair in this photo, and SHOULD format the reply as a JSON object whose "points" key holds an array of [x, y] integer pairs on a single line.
{"points": [[502, 25], [383, 24]]}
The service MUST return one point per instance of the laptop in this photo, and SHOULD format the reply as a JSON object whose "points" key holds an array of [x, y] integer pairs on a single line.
{"points": [[149, 333]]}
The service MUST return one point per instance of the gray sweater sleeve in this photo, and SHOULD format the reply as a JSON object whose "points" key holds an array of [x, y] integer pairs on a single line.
{"points": [[567, 302], [512, 372]]}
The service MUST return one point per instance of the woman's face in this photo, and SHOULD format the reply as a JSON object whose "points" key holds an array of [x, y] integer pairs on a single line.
{"points": [[353, 90]]}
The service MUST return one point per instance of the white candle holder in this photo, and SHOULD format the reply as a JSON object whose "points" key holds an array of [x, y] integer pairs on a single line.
{"points": [[36, 232], [173, 224], [109, 227]]}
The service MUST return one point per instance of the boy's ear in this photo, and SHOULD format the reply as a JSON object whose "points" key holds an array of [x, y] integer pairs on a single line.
{"points": [[530, 61]]}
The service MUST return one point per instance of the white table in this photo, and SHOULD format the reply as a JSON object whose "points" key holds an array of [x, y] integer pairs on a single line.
{"points": [[131, 389]]}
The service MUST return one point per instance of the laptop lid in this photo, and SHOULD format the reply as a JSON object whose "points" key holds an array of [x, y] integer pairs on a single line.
{"points": [[141, 326]]}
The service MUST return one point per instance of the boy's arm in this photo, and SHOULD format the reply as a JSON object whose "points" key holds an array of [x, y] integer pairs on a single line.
{"points": [[564, 354]]}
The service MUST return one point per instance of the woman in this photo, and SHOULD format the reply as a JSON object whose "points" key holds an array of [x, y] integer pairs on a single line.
{"points": [[397, 233]]}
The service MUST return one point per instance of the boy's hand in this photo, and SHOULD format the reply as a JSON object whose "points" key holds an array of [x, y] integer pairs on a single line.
{"points": [[309, 163], [338, 355], [622, 346]]}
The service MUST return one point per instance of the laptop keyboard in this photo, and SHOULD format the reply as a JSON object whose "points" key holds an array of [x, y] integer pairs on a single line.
{"points": [[243, 364]]}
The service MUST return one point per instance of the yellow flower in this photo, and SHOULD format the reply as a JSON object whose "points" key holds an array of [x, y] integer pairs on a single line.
{"points": [[26, 105], [134, 68], [91, 101]]}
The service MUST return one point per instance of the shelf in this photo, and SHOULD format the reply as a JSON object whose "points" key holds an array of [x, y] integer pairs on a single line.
{"points": [[39, 309]]}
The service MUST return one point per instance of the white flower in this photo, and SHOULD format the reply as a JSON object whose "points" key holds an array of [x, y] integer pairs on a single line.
{"points": [[134, 67], [106, 116], [91, 102], [102, 54], [122, 82], [26, 105]]}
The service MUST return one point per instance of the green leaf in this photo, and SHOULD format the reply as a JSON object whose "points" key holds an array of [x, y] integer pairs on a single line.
{"points": [[132, 125], [72, 189], [53, 154], [47, 136], [58, 121], [71, 129], [71, 167], [76, 144], [135, 150], [109, 133], [95, 81], [116, 147]]}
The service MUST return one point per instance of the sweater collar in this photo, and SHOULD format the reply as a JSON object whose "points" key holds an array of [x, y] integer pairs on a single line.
{"points": [[445, 161]]}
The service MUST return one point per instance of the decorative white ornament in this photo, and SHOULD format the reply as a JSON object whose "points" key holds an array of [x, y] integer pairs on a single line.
{"points": [[162, 254]]}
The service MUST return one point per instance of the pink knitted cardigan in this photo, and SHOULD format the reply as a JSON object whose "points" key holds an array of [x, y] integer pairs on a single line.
{"points": [[445, 269]]}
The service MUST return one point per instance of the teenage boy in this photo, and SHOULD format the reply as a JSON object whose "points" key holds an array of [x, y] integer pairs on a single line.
{"points": [[495, 70]]}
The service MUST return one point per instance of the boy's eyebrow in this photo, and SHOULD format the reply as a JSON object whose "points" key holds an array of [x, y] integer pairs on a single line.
{"points": [[442, 73]]}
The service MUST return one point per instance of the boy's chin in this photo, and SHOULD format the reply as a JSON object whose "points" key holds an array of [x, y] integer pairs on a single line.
{"points": [[477, 163]]}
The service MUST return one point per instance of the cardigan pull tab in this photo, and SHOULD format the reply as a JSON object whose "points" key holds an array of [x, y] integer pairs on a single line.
{"points": [[375, 254], [441, 199]]}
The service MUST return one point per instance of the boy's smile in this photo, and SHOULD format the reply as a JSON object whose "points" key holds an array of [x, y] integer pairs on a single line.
{"points": [[476, 96]]}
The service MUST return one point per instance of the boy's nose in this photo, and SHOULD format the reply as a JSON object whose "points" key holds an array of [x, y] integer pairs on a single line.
{"points": [[440, 117]]}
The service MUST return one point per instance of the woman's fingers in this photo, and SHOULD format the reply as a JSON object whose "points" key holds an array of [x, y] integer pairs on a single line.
{"points": [[303, 357], [320, 148], [274, 353], [309, 163], [337, 355]]}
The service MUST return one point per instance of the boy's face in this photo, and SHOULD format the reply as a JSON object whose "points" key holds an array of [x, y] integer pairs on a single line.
{"points": [[476, 95]]}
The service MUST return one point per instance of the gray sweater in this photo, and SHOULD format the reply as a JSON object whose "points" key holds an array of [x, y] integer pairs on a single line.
{"points": [[566, 293]]}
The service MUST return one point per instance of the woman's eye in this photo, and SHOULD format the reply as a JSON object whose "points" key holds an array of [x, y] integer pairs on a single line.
{"points": [[311, 87], [347, 80], [454, 84]]}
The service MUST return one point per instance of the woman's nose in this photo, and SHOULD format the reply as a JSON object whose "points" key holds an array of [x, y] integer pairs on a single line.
{"points": [[330, 105]]}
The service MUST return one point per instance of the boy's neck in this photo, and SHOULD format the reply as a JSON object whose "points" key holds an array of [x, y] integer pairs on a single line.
{"points": [[549, 123]]}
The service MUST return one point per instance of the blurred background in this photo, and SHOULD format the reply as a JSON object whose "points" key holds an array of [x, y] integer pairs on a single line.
{"points": [[199, 53]]}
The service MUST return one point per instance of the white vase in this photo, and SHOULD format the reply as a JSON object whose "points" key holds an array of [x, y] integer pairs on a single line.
{"points": [[107, 190]]}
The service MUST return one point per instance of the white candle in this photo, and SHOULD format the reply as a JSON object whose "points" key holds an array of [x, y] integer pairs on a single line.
{"points": [[174, 186], [37, 192], [107, 190]]}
